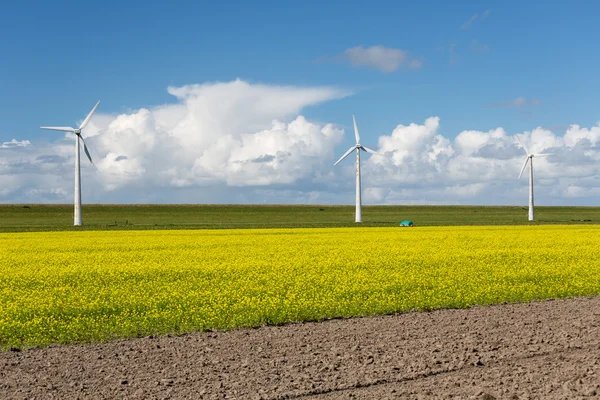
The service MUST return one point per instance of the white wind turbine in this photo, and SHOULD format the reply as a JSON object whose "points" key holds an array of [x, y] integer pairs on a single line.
{"points": [[358, 147], [77, 132], [529, 160]]}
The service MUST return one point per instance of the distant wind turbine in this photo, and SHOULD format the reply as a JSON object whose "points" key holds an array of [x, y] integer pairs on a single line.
{"points": [[358, 147], [529, 160], [77, 132]]}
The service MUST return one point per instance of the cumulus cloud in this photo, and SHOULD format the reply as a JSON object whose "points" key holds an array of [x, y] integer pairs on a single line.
{"points": [[385, 59], [232, 134], [237, 142], [482, 167]]}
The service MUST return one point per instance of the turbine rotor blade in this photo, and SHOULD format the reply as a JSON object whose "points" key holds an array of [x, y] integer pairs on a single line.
{"points": [[524, 148], [543, 154], [59, 128], [350, 150], [356, 131], [524, 165], [87, 119], [87, 153], [368, 150]]}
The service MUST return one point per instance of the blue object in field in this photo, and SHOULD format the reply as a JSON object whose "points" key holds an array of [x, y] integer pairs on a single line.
{"points": [[406, 223]]}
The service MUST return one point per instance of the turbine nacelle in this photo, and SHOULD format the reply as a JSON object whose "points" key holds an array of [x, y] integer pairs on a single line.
{"points": [[539, 155], [357, 146], [529, 156], [77, 131]]}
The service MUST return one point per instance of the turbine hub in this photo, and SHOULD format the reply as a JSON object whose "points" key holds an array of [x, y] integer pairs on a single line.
{"points": [[78, 131]]}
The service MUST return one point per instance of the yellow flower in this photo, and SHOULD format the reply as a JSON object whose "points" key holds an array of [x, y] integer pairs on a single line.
{"points": [[65, 287]]}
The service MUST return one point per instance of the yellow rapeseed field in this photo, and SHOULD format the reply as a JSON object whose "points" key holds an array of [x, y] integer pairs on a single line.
{"points": [[66, 287]]}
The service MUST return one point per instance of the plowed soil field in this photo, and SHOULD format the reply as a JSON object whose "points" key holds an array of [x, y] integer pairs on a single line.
{"points": [[545, 350]]}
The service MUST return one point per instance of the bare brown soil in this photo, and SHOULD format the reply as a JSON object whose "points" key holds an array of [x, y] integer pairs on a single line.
{"points": [[543, 350]]}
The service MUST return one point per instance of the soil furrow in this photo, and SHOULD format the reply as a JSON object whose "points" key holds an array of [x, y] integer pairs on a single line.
{"points": [[546, 349]]}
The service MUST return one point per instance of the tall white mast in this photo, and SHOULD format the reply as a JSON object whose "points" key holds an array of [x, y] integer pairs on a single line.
{"points": [[531, 188], [358, 189], [77, 200]]}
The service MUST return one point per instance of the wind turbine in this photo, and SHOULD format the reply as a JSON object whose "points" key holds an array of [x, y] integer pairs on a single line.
{"points": [[358, 147], [529, 160], [78, 137]]}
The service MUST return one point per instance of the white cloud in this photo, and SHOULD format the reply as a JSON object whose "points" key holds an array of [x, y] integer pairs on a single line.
{"points": [[15, 143], [575, 192], [237, 142], [471, 142], [231, 134], [219, 133], [575, 134], [385, 59], [422, 166], [416, 152]]}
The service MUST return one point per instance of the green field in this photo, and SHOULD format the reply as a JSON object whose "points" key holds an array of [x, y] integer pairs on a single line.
{"points": [[35, 217]]}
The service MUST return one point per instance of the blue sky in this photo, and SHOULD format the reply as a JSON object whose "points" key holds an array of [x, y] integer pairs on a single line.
{"points": [[481, 64], [62, 56]]}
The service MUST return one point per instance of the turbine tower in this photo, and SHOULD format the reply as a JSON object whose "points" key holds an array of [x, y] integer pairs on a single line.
{"points": [[78, 137], [529, 160], [358, 147]]}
